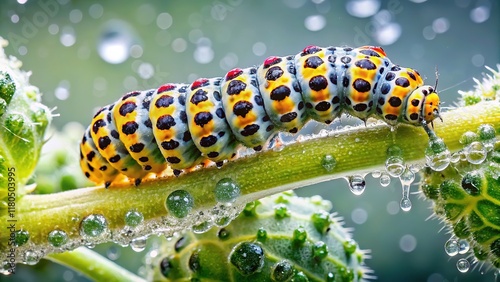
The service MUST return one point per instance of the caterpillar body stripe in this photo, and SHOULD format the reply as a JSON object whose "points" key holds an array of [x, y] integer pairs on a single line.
{"points": [[180, 125]]}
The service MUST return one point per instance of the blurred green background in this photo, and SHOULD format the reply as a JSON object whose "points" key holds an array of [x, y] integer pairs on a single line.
{"points": [[85, 54]]}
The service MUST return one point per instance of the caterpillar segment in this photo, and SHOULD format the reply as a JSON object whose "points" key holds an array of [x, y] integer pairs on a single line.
{"points": [[207, 120], [179, 126], [170, 126], [107, 139], [244, 108]]}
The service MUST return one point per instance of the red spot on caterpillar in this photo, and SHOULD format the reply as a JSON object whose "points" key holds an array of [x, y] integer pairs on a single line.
{"points": [[311, 49], [199, 83], [233, 73], [165, 87], [271, 61]]}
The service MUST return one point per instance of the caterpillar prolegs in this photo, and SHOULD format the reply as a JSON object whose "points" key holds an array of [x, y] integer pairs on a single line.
{"points": [[180, 125]]}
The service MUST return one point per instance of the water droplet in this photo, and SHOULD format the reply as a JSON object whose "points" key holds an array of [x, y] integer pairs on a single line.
{"points": [[486, 132], [113, 253], [179, 203], [376, 174], [463, 265], [223, 234], [394, 166], [357, 184], [451, 247], [6, 268], [439, 161], [31, 258], [138, 244], [57, 238], [385, 180], [415, 168], [475, 152], [471, 183], [463, 246], [455, 157], [133, 218], [328, 162], [202, 227], [248, 258], [226, 190], [468, 137], [406, 178], [223, 221], [93, 225], [320, 250], [115, 42], [282, 271], [21, 237]]}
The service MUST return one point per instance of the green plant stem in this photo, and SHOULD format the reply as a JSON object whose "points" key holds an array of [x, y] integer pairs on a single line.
{"points": [[356, 150], [93, 265]]}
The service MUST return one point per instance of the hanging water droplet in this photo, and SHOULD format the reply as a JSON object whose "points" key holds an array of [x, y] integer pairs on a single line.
{"points": [[475, 153], [57, 238], [93, 225], [463, 265], [451, 247], [226, 190], [463, 246], [202, 227], [31, 258], [133, 218], [376, 174], [179, 203], [394, 166], [223, 221], [406, 178], [415, 168], [138, 244], [328, 162], [385, 180], [6, 268], [357, 184]]}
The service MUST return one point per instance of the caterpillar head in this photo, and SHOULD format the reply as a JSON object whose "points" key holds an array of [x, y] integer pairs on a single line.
{"points": [[422, 105], [431, 104]]}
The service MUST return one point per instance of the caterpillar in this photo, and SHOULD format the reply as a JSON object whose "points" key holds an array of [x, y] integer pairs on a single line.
{"points": [[180, 125]]}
